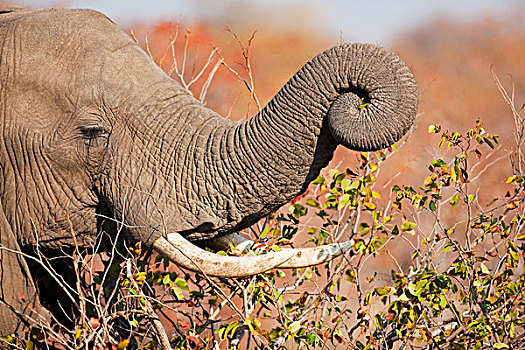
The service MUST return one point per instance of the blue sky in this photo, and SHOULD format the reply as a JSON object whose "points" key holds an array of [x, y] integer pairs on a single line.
{"points": [[378, 21]]}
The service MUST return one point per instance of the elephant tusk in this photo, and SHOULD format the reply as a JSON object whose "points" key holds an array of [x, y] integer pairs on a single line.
{"points": [[301, 257], [183, 253], [305, 257]]}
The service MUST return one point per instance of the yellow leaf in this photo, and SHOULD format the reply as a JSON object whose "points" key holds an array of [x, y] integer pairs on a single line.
{"points": [[511, 179], [166, 279], [370, 206], [123, 344], [394, 146], [139, 277], [386, 290]]}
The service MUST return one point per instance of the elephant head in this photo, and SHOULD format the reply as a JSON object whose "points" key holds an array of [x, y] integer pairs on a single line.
{"points": [[96, 137]]}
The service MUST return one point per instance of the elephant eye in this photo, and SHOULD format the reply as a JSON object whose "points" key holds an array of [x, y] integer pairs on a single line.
{"points": [[95, 136], [91, 133]]}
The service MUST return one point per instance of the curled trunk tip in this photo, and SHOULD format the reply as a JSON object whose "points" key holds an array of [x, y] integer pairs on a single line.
{"points": [[376, 97]]}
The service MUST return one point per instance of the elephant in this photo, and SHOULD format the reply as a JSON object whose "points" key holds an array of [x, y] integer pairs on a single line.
{"points": [[97, 141]]}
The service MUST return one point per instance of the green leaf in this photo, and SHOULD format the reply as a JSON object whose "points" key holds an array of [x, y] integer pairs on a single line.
{"points": [[363, 228], [395, 230], [438, 163], [312, 230], [369, 205], [403, 297], [432, 205], [178, 293], [267, 229], [182, 284], [386, 290], [454, 174], [310, 337], [313, 203], [340, 177], [252, 323], [488, 142], [275, 248], [412, 289], [511, 179], [494, 200], [231, 328], [443, 302], [166, 279], [345, 184], [442, 141], [394, 146], [454, 201], [420, 284], [298, 210], [408, 226], [415, 254], [319, 180]]}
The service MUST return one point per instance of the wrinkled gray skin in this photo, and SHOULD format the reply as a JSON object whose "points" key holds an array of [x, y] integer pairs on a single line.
{"points": [[93, 129]]}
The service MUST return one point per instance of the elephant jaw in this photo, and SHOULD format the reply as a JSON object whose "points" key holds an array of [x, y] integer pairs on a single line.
{"points": [[183, 253]]}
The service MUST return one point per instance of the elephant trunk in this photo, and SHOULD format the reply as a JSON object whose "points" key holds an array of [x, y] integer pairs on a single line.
{"points": [[359, 95]]}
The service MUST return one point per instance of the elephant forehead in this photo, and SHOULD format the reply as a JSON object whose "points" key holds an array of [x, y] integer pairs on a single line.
{"points": [[58, 50], [61, 34], [74, 55]]}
